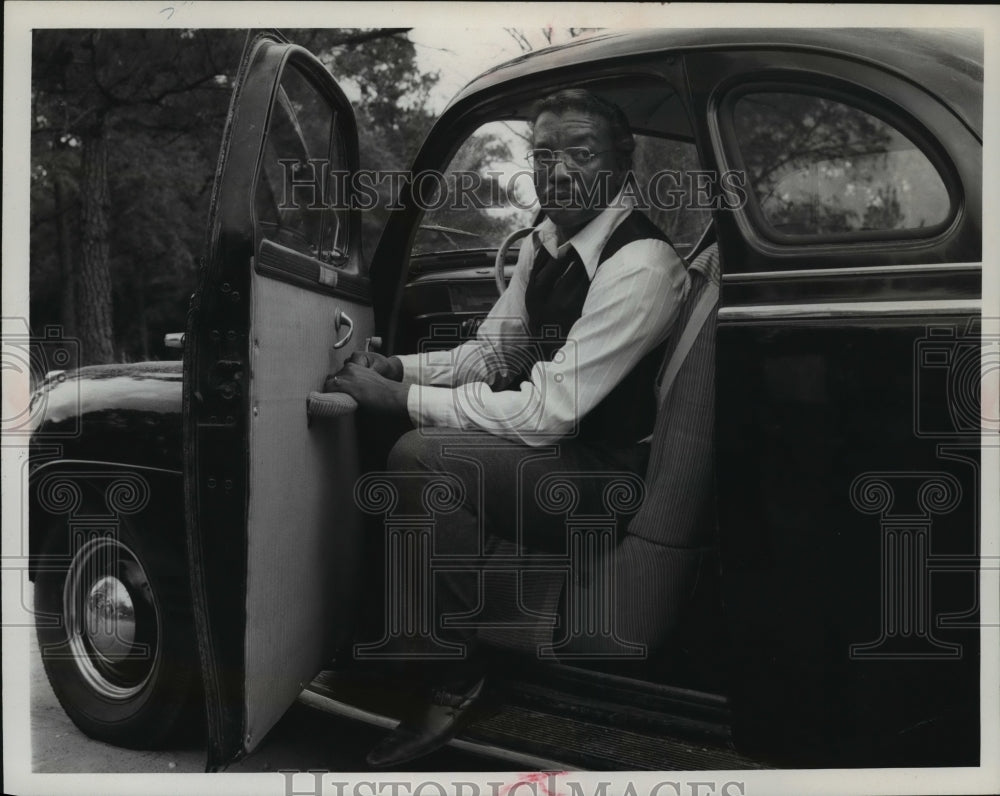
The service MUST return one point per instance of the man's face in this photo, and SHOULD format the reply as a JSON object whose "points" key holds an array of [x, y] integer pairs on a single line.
{"points": [[573, 193]]}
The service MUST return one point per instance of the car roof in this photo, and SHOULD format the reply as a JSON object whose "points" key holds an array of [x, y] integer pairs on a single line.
{"points": [[948, 63]]}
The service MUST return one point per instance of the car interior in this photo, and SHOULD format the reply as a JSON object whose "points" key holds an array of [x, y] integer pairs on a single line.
{"points": [[660, 582]]}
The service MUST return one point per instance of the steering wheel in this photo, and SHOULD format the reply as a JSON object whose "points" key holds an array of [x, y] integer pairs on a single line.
{"points": [[498, 264]]}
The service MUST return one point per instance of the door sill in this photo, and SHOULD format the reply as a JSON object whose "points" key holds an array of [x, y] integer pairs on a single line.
{"points": [[317, 696], [531, 737]]}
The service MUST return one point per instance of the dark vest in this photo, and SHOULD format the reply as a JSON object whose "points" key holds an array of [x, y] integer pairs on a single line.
{"points": [[628, 412]]}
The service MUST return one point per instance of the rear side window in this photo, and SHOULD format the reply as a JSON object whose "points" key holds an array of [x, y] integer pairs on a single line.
{"points": [[817, 167]]}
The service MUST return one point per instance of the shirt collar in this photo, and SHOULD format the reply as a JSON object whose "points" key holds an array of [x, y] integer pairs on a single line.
{"points": [[589, 242]]}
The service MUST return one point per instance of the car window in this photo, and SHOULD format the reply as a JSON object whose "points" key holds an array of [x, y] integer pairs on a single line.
{"points": [[819, 167], [485, 192], [295, 197], [489, 190]]}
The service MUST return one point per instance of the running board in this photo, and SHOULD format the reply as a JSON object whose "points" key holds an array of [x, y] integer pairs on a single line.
{"points": [[317, 699], [535, 739], [591, 746]]}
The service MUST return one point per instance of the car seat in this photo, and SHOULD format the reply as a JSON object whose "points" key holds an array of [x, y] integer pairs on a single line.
{"points": [[626, 600]]}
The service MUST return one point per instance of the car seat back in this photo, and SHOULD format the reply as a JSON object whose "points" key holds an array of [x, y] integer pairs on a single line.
{"points": [[644, 584]]}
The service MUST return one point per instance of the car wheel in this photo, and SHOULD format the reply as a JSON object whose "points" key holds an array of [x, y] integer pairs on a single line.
{"points": [[116, 635]]}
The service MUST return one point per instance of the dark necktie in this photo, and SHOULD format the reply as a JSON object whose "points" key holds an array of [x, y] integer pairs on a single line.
{"points": [[547, 269]]}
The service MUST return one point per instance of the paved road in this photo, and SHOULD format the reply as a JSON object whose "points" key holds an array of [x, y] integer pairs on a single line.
{"points": [[304, 739]]}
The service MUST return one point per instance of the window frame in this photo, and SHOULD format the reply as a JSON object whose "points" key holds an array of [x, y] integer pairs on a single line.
{"points": [[333, 152], [881, 108], [342, 145]]}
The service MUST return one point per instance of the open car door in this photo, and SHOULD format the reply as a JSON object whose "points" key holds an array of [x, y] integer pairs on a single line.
{"points": [[283, 299]]}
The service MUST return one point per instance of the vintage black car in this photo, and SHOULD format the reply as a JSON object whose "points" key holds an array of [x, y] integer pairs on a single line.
{"points": [[199, 539]]}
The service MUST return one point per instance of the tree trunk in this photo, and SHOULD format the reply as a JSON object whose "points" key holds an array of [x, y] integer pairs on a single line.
{"points": [[94, 307], [67, 273], [140, 303]]}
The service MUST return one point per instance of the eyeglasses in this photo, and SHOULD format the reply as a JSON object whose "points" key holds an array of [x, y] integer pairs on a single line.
{"points": [[571, 156]]}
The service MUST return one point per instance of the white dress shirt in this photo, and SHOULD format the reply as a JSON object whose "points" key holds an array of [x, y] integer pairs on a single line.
{"points": [[631, 305]]}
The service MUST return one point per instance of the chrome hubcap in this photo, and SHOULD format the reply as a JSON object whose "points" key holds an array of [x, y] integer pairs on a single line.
{"points": [[112, 621]]}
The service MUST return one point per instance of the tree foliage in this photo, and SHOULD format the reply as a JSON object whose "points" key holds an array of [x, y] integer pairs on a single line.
{"points": [[125, 132], [392, 110], [126, 126]]}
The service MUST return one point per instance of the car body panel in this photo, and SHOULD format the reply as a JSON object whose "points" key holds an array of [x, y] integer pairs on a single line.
{"points": [[818, 385], [130, 413], [838, 623]]}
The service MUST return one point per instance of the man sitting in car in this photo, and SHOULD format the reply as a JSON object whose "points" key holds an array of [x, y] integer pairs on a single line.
{"points": [[559, 378]]}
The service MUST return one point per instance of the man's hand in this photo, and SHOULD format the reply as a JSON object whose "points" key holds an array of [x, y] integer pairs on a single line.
{"points": [[368, 388], [390, 367]]}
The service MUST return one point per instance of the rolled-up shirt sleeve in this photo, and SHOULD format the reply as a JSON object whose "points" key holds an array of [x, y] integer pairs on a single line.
{"points": [[631, 306]]}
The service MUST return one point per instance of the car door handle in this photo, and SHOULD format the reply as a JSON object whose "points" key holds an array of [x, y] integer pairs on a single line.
{"points": [[341, 318], [323, 405]]}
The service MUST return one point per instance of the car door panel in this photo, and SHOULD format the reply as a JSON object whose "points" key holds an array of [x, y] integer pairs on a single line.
{"points": [[273, 533], [303, 527], [836, 624]]}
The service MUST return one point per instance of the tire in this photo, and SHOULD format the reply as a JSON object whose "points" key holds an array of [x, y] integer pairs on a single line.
{"points": [[116, 634]]}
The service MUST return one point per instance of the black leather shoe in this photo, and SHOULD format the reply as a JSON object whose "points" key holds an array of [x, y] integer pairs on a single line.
{"points": [[441, 720]]}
